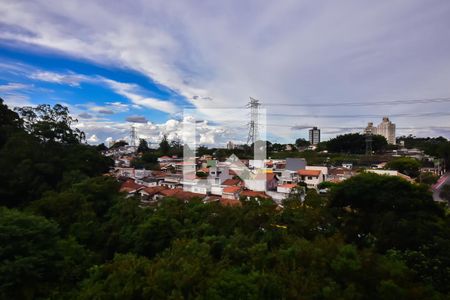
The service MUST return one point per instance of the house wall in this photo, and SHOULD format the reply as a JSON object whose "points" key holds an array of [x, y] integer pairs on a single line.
{"points": [[285, 190], [216, 190]]}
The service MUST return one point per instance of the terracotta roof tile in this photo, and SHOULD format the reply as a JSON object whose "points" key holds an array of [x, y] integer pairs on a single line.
{"points": [[309, 172], [231, 189], [180, 194], [231, 182], [130, 186], [288, 185], [249, 193]]}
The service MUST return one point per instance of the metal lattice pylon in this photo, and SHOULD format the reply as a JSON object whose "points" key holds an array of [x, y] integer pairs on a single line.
{"points": [[133, 136], [253, 133], [368, 135]]}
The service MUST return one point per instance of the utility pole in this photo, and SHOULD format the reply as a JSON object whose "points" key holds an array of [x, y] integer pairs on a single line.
{"points": [[253, 125]]}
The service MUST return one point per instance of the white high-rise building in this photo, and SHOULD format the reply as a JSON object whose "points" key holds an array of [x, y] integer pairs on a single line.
{"points": [[230, 145], [386, 128]]}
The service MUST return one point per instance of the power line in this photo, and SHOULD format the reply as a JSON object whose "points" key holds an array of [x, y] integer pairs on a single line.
{"points": [[311, 103], [300, 127], [371, 103], [400, 115]]}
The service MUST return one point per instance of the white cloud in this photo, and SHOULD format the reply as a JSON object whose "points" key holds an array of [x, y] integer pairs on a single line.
{"points": [[130, 91], [71, 79], [297, 51], [92, 139], [13, 86]]}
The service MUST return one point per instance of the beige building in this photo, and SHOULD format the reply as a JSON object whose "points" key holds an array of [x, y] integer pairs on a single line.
{"points": [[386, 128]]}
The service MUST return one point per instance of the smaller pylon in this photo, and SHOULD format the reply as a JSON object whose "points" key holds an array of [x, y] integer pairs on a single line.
{"points": [[133, 136], [368, 135]]}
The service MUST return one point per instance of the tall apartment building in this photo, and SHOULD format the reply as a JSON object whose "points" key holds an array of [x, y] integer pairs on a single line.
{"points": [[314, 136], [386, 128], [230, 145]]}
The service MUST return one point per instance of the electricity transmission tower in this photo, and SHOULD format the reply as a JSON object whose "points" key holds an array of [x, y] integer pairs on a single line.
{"points": [[133, 136], [253, 125]]}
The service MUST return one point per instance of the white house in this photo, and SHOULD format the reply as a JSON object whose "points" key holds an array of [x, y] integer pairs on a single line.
{"points": [[312, 178], [322, 169], [285, 188], [262, 182]]}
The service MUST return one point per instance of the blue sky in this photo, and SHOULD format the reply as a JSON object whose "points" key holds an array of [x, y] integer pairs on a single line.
{"points": [[143, 62]]}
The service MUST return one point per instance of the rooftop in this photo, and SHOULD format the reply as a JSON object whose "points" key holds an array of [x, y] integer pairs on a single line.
{"points": [[315, 173]]}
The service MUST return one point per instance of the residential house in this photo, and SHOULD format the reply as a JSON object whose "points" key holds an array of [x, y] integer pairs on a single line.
{"points": [[262, 182], [148, 193], [178, 193], [286, 188], [322, 169], [312, 178], [339, 174], [218, 174], [248, 194], [130, 187], [294, 164], [231, 192], [124, 172], [218, 189], [391, 173]]}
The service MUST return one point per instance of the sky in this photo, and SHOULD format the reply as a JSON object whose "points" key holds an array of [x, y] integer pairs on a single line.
{"points": [[332, 64]]}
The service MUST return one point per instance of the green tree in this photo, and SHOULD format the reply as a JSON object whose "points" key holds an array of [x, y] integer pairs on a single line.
{"points": [[10, 122], [126, 277], [143, 146], [355, 143], [405, 165], [427, 178], [301, 142], [101, 147], [445, 192], [164, 146], [51, 124], [386, 210], [118, 144], [28, 257]]}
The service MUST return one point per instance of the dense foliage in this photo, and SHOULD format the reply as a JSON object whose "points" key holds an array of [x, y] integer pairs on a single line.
{"points": [[436, 147], [372, 237], [41, 152], [354, 143], [406, 165]]}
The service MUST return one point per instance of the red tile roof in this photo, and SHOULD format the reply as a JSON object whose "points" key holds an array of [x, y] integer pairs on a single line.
{"points": [[231, 182], [231, 189], [249, 193], [265, 176], [309, 172], [154, 190], [130, 186], [180, 194], [288, 185], [159, 174]]}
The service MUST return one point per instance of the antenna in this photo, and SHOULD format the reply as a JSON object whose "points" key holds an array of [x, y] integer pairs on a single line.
{"points": [[253, 125]]}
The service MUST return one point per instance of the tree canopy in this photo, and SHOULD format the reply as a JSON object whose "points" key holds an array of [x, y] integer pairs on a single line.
{"points": [[405, 165], [354, 143]]}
